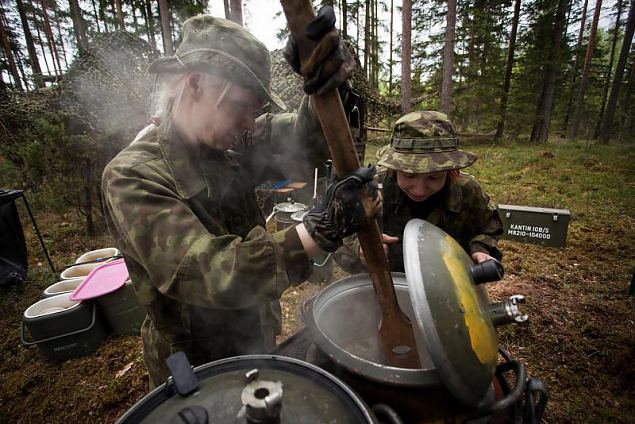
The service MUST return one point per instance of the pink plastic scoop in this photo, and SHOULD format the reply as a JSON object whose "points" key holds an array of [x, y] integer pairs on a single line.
{"points": [[102, 280]]}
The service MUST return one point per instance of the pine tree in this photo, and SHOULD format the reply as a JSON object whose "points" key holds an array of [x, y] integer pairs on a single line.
{"points": [[406, 50], [605, 130], [540, 130], [584, 82], [28, 37], [609, 69], [500, 128], [8, 52], [448, 58]]}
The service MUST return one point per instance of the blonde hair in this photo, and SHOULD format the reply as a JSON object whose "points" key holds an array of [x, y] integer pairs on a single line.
{"points": [[169, 94]]}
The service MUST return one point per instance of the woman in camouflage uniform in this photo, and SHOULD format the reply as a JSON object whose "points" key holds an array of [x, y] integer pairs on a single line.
{"points": [[180, 202], [421, 179]]}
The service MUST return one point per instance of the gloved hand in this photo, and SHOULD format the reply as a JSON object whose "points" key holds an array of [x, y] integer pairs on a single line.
{"points": [[330, 63], [341, 212]]}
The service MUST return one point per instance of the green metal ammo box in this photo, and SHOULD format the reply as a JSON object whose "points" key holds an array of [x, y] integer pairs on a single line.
{"points": [[528, 224]]}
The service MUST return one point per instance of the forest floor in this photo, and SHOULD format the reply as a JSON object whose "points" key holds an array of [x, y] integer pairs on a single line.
{"points": [[580, 338]]}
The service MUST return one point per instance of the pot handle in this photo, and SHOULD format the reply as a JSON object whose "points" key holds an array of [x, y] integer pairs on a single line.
{"points": [[511, 398], [306, 308], [385, 411], [535, 408], [83, 330]]}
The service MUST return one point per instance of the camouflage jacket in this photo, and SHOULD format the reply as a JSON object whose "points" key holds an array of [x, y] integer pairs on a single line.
{"points": [[194, 242], [462, 209]]}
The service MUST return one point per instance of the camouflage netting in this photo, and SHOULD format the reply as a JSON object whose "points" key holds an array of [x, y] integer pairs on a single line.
{"points": [[18, 111], [105, 93], [107, 90], [288, 85]]}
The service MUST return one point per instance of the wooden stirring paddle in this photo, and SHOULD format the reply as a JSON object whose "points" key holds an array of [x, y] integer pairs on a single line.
{"points": [[395, 329]]}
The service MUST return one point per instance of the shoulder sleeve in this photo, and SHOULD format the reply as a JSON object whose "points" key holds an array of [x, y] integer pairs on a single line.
{"points": [[292, 143], [485, 224], [347, 256], [186, 262]]}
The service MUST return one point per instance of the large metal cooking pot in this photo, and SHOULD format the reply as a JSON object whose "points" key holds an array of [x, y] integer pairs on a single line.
{"points": [[343, 320], [250, 389], [452, 322]]}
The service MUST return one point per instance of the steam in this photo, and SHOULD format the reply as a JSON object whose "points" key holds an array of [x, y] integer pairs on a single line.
{"points": [[106, 91], [348, 314]]}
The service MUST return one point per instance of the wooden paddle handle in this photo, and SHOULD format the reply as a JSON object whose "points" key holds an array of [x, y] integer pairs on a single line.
{"points": [[340, 143]]}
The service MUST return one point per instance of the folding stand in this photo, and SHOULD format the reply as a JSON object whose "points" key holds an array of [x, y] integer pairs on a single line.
{"points": [[7, 196]]}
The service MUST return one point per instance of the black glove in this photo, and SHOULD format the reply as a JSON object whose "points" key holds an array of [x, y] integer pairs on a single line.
{"points": [[341, 212], [330, 63]]}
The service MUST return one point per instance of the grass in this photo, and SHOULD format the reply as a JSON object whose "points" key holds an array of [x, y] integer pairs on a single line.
{"points": [[580, 338]]}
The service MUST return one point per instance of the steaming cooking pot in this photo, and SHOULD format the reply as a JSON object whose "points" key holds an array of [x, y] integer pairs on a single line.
{"points": [[250, 389], [455, 336], [283, 213]]}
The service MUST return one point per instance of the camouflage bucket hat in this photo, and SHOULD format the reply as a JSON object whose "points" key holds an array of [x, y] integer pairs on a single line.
{"points": [[224, 48], [423, 142]]}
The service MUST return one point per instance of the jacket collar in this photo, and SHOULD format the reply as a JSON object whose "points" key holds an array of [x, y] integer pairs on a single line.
{"points": [[180, 158], [453, 195]]}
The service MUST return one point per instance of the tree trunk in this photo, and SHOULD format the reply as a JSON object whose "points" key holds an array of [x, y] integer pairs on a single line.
{"points": [[88, 198], [6, 46], [19, 60], [574, 69], [135, 23], [79, 26], [228, 12], [509, 64], [607, 122], [609, 69], [376, 44], [33, 59], [367, 39], [357, 28], [584, 82], [51, 39], [102, 14], [120, 22], [628, 122], [390, 49], [448, 58], [540, 130], [166, 32], [236, 11], [39, 38], [406, 50], [344, 19], [56, 13], [96, 15], [149, 18]]}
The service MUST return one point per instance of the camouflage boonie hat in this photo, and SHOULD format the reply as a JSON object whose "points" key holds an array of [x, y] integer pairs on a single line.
{"points": [[423, 142], [224, 48]]}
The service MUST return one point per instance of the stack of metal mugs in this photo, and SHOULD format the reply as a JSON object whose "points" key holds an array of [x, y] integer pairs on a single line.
{"points": [[65, 328]]}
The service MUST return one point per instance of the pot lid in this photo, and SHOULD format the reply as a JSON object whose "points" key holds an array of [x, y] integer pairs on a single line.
{"points": [[309, 394], [299, 215], [450, 311], [290, 207]]}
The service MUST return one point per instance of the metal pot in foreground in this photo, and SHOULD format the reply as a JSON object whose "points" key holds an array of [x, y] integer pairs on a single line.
{"points": [[250, 389]]}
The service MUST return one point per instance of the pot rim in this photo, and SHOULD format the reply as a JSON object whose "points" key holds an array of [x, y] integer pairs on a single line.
{"points": [[371, 370]]}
